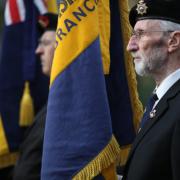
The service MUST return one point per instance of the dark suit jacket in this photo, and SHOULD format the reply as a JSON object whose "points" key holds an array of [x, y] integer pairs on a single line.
{"points": [[155, 154], [28, 166]]}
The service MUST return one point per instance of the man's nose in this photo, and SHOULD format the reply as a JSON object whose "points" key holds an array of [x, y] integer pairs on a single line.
{"points": [[132, 45], [38, 50]]}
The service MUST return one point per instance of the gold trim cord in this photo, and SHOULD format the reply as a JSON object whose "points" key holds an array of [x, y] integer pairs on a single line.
{"points": [[131, 76]]}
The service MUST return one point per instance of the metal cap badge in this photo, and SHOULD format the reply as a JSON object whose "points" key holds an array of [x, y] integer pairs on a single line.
{"points": [[141, 7], [155, 9]]}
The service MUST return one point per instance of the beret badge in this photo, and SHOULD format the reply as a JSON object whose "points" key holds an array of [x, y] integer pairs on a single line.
{"points": [[43, 21], [141, 7]]}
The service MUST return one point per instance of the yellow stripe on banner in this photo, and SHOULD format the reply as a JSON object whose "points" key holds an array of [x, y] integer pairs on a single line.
{"points": [[78, 27], [4, 145], [74, 33], [52, 6], [104, 30]]}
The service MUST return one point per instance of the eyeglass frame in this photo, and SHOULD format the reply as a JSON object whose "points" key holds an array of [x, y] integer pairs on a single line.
{"points": [[140, 33]]}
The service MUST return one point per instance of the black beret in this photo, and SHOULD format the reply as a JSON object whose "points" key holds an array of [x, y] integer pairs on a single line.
{"points": [[155, 9], [47, 22]]}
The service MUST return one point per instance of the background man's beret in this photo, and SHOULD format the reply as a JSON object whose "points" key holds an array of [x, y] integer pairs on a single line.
{"points": [[47, 22], [155, 9]]}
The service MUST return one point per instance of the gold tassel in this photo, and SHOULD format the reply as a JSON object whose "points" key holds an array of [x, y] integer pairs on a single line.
{"points": [[26, 108], [8, 159], [124, 152], [110, 172]]}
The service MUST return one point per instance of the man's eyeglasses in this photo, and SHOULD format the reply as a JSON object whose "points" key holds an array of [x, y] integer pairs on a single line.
{"points": [[140, 33]]}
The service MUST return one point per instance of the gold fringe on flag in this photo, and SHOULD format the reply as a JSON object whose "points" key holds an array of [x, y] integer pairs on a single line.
{"points": [[105, 160], [26, 108]]}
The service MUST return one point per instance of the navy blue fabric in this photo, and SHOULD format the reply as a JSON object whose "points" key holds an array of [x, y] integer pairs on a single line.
{"points": [[11, 60], [148, 109], [9, 110], [30, 35], [78, 124], [117, 87]]}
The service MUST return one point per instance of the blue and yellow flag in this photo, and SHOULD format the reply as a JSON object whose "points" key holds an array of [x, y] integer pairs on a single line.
{"points": [[91, 109], [18, 64]]}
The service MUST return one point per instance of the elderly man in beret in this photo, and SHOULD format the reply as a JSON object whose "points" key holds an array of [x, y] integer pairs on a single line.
{"points": [[29, 164], [155, 48]]}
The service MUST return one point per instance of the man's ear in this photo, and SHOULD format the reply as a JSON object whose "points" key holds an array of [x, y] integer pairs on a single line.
{"points": [[174, 41]]}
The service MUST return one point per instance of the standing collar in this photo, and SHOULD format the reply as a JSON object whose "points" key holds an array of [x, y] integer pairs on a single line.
{"points": [[167, 83]]}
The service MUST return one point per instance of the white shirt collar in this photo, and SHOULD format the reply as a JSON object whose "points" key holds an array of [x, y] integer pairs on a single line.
{"points": [[167, 83]]}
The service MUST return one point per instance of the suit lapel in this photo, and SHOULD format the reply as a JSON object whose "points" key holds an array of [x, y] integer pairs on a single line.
{"points": [[160, 109]]}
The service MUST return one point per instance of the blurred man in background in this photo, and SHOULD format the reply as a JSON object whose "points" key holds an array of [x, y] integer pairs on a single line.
{"points": [[23, 86], [29, 164]]}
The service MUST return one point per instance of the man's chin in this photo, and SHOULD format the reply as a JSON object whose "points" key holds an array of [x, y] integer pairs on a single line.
{"points": [[140, 68], [140, 72]]}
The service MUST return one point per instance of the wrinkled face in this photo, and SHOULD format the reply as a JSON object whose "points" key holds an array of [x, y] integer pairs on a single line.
{"points": [[148, 46], [45, 50]]}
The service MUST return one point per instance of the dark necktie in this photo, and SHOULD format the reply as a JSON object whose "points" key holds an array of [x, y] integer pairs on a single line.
{"points": [[149, 107]]}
